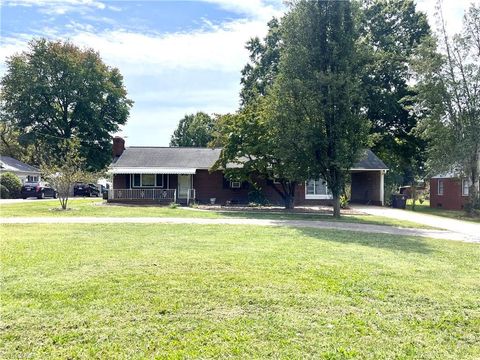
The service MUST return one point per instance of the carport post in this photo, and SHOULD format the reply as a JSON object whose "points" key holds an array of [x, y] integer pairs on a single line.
{"points": [[382, 186]]}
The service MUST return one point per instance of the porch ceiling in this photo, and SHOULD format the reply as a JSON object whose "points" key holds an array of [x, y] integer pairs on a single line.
{"points": [[152, 170]]}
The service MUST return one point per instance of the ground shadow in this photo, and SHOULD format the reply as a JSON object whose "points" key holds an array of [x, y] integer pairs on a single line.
{"points": [[409, 244]]}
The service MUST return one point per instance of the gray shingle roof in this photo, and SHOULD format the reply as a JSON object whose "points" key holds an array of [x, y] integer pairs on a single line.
{"points": [[199, 158], [8, 163], [174, 157], [370, 161]]}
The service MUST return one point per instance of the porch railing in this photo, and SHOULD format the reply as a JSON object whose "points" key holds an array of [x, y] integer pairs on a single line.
{"points": [[191, 195], [143, 194]]}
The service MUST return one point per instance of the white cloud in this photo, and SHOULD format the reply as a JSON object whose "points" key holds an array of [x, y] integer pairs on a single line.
{"points": [[254, 8], [167, 75], [452, 13], [59, 7]]}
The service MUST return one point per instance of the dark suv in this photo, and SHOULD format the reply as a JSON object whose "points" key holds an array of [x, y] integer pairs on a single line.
{"points": [[86, 190], [39, 190]]}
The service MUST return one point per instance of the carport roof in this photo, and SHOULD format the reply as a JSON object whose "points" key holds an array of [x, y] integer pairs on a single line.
{"points": [[370, 161]]}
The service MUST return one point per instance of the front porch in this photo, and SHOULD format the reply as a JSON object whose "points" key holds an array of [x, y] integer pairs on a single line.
{"points": [[155, 188]]}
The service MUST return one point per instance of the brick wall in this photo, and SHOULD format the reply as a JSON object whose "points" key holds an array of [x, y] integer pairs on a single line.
{"points": [[452, 198], [211, 185], [366, 187]]}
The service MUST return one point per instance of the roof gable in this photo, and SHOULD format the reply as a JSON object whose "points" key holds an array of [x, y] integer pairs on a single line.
{"points": [[369, 161], [8, 163]]}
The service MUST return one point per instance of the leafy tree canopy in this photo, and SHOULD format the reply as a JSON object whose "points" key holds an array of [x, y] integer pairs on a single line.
{"points": [[194, 130], [391, 32], [317, 91], [449, 99], [55, 91]]}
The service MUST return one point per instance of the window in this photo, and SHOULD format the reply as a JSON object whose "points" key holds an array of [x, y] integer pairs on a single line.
{"points": [[465, 187], [147, 180], [317, 189], [440, 187], [235, 184], [32, 178]]}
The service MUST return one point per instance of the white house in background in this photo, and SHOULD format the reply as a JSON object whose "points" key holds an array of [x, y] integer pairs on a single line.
{"points": [[25, 172]]}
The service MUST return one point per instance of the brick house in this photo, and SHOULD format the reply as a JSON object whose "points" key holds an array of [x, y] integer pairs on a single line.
{"points": [[175, 174], [449, 192]]}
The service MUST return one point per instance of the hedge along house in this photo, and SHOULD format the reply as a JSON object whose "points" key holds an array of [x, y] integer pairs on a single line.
{"points": [[449, 191], [182, 175]]}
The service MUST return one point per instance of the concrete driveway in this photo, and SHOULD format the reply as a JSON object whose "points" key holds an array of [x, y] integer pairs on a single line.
{"points": [[468, 228]]}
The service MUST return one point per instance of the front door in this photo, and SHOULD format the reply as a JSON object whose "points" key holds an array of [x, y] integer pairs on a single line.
{"points": [[184, 182]]}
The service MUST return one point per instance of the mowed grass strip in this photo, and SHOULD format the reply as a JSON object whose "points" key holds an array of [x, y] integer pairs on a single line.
{"points": [[98, 208], [154, 291], [453, 214]]}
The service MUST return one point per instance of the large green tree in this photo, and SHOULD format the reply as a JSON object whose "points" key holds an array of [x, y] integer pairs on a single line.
{"points": [[194, 130], [317, 92], [391, 31], [55, 91], [260, 72], [250, 138], [449, 99]]}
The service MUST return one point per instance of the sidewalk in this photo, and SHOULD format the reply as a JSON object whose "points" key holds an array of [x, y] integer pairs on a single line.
{"points": [[368, 228]]}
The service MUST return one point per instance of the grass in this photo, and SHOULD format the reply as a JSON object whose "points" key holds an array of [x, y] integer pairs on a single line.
{"points": [[97, 208], [453, 214], [175, 291]]}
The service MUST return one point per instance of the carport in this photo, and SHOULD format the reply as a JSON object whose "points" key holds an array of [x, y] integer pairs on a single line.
{"points": [[367, 180]]}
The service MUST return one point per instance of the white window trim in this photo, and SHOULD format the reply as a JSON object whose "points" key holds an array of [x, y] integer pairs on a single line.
{"points": [[438, 187], [235, 184], [317, 196], [141, 181], [463, 187]]}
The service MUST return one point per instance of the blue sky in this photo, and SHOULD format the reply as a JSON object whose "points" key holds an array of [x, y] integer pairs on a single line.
{"points": [[177, 57]]}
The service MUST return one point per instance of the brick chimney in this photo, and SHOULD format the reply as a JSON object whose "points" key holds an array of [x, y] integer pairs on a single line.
{"points": [[118, 146]]}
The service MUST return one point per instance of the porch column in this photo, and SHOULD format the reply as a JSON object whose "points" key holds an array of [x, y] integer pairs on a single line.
{"points": [[382, 187]]}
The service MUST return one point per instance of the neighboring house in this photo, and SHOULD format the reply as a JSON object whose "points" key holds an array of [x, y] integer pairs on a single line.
{"points": [[25, 172], [178, 174], [449, 191]]}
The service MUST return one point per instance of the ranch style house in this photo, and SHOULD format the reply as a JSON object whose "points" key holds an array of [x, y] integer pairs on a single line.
{"points": [[143, 174]]}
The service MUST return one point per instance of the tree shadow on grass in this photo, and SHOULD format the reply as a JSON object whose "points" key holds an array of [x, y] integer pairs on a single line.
{"points": [[276, 215], [408, 244]]}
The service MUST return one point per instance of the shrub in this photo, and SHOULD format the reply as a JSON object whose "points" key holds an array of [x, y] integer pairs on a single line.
{"points": [[12, 183], [256, 196], [344, 201], [4, 193], [173, 205]]}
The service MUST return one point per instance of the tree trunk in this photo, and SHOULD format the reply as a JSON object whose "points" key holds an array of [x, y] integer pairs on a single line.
{"points": [[288, 193], [289, 200], [336, 206], [474, 187], [413, 193]]}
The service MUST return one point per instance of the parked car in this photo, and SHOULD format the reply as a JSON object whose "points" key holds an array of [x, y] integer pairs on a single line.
{"points": [[39, 190], [86, 190]]}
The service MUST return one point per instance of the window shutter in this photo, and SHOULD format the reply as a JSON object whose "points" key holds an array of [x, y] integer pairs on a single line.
{"points": [[226, 183], [127, 181], [160, 180]]}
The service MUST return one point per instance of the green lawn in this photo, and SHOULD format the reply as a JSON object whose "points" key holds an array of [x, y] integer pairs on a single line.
{"points": [[135, 291], [453, 214], [96, 207]]}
